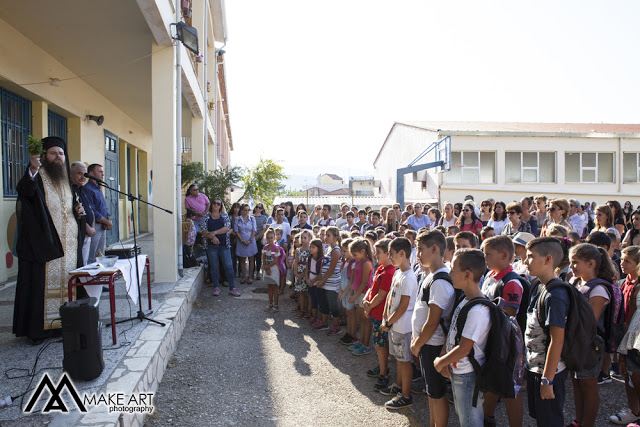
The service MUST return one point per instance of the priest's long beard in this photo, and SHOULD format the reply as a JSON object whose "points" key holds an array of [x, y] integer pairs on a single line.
{"points": [[57, 171]]}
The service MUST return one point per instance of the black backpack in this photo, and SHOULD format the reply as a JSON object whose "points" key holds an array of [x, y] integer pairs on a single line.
{"points": [[188, 259], [582, 344], [458, 295], [504, 352], [521, 317], [613, 327]]}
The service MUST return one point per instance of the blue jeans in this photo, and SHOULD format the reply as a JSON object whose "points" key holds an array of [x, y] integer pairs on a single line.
{"points": [[463, 388], [217, 253]]}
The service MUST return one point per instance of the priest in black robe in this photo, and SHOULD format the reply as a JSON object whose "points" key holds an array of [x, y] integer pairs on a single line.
{"points": [[48, 245]]}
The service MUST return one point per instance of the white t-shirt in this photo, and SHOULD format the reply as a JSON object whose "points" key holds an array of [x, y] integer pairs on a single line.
{"points": [[326, 222], [446, 223], [286, 228], [403, 283], [413, 259], [497, 225], [441, 294], [476, 328]]}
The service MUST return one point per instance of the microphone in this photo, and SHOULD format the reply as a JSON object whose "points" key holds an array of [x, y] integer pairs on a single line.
{"points": [[94, 178]]}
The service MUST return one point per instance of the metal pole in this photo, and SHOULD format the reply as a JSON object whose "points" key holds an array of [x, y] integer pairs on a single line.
{"points": [[178, 136]]}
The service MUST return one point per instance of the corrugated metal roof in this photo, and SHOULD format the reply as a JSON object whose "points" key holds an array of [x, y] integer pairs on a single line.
{"points": [[580, 128]]}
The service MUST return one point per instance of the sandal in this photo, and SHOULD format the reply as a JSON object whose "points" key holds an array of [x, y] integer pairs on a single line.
{"points": [[243, 280], [249, 281], [280, 292], [301, 315]]}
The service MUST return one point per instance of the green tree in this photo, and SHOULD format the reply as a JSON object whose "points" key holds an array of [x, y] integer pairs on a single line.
{"points": [[262, 181], [294, 193]]}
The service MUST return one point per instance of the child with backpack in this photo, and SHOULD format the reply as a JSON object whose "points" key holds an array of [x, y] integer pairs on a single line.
{"points": [[270, 258], [346, 273], [374, 302], [466, 340], [397, 319], [300, 265], [362, 275], [629, 347], [512, 290], [545, 333], [430, 321], [594, 273], [313, 271]]}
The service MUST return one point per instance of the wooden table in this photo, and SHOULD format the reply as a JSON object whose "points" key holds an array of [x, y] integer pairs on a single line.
{"points": [[107, 277]]}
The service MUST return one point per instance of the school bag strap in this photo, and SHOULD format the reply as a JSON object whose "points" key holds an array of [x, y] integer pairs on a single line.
{"points": [[427, 291], [521, 316]]}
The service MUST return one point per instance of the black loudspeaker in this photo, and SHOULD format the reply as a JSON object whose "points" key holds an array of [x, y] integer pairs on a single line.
{"points": [[82, 339]]}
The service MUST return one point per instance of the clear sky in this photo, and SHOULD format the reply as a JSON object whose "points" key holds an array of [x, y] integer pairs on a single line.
{"points": [[318, 85]]}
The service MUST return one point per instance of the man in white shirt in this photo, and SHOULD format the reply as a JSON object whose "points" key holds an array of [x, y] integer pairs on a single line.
{"points": [[575, 219]]}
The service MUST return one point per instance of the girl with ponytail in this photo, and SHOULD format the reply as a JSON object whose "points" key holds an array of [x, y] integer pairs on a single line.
{"points": [[594, 273]]}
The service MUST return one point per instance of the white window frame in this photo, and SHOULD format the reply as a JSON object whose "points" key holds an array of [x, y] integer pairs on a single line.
{"points": [[536, 168], [637, 166], [592, 168], [463, 154]]}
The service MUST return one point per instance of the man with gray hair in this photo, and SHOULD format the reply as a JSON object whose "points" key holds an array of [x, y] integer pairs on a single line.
{"points": [[78, 169], [576, 220]]}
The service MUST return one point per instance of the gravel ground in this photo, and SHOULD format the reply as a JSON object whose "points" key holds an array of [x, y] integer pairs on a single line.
{"points": [[237, 365]]}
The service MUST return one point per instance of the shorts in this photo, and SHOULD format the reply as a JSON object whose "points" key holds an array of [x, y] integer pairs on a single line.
{"points": [[329, 302], [633, 361], [379, 337], [345, 302], [592, 372], [436, 383], [400, 346]]}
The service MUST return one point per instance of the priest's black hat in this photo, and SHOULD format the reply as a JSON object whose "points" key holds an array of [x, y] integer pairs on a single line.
{"points": [[53, 141]]}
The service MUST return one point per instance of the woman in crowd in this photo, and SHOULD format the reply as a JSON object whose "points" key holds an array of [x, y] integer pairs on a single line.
{"points": [[234, 213], [261, 218], [541, 210], [391, 223], [498, 217], [627, 210], [632, 238], [198, 202], [448, 218], [527, 203], [515, 225], [604, 220], [557, 213], [468, 220], [619, 221], [216, 227], [485, 211], [289, 213], [245, 229], [457, 209]]}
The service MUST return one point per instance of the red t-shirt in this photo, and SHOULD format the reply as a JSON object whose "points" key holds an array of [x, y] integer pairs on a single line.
{"points": [[381, 281]]}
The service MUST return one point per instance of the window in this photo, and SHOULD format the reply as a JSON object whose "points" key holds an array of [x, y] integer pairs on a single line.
{"points": [[15, 125], [530, 167], [57, 125], [472, 167], [588, 167], [630, 167]]}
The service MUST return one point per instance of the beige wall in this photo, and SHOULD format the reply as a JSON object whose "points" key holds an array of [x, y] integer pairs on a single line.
{"points": [[25, 62]]}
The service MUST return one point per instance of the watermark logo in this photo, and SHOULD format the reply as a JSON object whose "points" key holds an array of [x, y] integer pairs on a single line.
{"points": [[115, 402]]}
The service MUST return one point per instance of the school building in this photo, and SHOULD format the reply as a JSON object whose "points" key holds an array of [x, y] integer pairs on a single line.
{"points": [[506, 161], [104, 76]]}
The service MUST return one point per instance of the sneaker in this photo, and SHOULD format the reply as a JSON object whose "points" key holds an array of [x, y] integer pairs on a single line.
{"points": [[355, 346], [346, 339], [604, 378], [391, 390], [362, 351], [614, 372], [399, 402], [275, 309], [315, 324], [374, 373], [216, 292], [382, 383], [321, 326], [234, 292], [623, 417], [335, 330], [268, 308], [311, 321]]}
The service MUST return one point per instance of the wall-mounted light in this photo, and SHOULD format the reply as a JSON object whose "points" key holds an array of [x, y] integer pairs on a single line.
{"points": [[98, 119], [188, 36], [55, 82]]}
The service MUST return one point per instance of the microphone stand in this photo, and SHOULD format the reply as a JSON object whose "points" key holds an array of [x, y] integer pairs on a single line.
{"points": [[141, 314]]}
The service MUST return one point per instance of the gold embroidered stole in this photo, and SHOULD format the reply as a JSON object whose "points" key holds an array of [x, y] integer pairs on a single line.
{"points": [[60, 204]]}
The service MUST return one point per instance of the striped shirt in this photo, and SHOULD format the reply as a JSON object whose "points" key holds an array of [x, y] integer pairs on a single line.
{"points": [[333, 281]]}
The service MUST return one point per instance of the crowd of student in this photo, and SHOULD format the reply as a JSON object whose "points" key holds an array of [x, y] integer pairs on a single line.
{"points": [[475, 302]]}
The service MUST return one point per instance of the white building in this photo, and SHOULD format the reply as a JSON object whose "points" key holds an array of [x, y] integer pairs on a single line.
{"points": [[505, 161]]}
